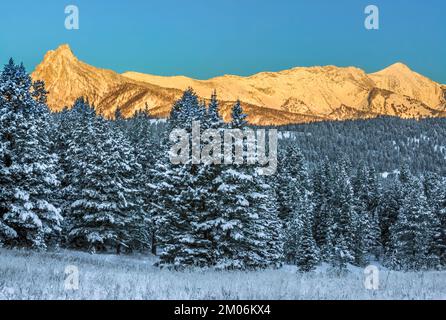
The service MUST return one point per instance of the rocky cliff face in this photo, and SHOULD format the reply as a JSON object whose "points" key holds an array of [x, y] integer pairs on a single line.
{"points": [[291, 96], [67, 78]]}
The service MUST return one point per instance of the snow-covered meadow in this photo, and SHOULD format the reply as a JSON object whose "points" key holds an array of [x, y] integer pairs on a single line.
{"points": [[34, 275]]}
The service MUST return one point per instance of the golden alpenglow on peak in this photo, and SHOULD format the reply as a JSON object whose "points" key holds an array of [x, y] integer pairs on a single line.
{"points": [[63, 51], [400, 79], [398, 66], [297, 95], [67, 78]]}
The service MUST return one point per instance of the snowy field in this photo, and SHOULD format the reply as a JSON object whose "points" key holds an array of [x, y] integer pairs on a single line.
{"points": [[30, 275]]}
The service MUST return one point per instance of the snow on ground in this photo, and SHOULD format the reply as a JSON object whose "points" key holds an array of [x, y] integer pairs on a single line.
{"points": [[32, 275]]}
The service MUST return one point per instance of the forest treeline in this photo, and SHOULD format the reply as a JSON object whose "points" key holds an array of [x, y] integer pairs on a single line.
{"points": [[384, 143]]}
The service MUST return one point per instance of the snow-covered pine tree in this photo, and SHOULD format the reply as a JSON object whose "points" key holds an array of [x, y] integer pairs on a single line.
{"points": [[292, 189], [238, 116], [147, 151], [8, 119], [431, 182], [186, 110], [249, 234], [372, 239], [344, 212], [206, 183], [106, 210], [323, 220], [74, 138], [266, 240], [62, 134], [199, 197], [435, 191], [291, 180], [307, 255], [28, 216], [441, 213], [129, 190], [83, 193], [388, 209], [39, 92], [181, 190], [249, 230], [172, 222], [365, 219], [47, 191], [414, 230], [213, 118], [405, 177]]}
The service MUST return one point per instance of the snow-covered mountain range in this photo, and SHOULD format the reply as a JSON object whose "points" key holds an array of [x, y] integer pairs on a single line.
{"points": [[290, 96]]}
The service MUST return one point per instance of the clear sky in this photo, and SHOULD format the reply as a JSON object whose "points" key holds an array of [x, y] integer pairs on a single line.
{"points": [[206, 38]]}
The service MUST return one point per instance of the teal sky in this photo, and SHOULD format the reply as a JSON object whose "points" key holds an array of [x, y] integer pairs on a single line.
{"points": [[206, 38]]}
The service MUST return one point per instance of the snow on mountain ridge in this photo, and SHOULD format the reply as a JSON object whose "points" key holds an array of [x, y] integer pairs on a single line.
{"points": [[295, 95]]}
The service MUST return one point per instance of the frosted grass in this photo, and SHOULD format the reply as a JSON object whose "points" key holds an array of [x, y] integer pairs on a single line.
{"points": [[34, 275]]}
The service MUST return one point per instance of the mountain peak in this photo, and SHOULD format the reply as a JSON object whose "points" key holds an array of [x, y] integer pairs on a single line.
{"points": [[63, 51], [64, 48], [398, 67]]}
